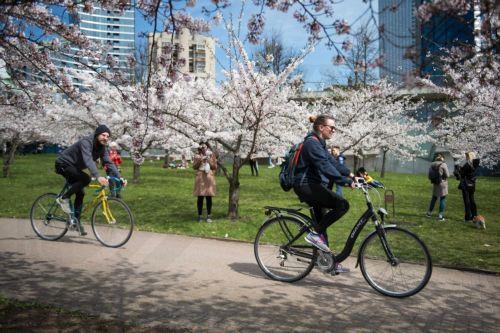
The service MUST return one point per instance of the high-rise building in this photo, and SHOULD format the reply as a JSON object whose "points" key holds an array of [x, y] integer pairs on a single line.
{"points": [[113, 28], [408, 46], [195, 53], [399, 35]]}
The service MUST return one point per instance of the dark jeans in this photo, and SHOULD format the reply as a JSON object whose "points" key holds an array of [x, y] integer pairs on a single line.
{"points": [[77, 180], [200, 205], [254, 166], [319, 197], [442, 204], [469, 203]]}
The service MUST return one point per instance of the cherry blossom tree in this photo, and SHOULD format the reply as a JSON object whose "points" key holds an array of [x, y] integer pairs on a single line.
{"points": [[250, 112], [375, 118]]}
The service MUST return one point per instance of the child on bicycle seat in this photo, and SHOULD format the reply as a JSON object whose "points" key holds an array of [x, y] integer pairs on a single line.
{"points": [[362, 173], [315, 168], [82, 155]]}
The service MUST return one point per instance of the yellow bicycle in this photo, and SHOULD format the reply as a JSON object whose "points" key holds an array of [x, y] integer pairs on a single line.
{"points": [[112, 220]]}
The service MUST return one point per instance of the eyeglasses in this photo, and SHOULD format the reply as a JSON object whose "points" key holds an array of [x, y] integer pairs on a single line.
{"points": [[332, 128]]}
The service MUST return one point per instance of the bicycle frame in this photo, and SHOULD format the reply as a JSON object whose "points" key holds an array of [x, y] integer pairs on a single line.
{"points": [[353, 235], [99, 197]]}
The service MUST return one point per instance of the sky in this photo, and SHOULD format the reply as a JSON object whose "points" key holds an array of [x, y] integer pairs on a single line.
{"points": [[315, 64]]}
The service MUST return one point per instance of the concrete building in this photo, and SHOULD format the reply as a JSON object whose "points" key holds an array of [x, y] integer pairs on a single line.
{"points": [[194, 53]]}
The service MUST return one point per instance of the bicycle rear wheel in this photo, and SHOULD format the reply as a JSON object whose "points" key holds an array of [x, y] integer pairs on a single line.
{"points": [[112, 222], [405, 271], [279, 261], [47, 218]]}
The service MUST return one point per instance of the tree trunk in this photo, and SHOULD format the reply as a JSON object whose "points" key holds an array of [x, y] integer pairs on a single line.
{"points": [[356, 162], [382, 172], [8, 157], [234, 190], [137, 173]]}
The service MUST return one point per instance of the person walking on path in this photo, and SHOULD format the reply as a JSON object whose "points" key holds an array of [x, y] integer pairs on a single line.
{"points": [[335, 151], [466, 174], [438, 175], [205, 163]]}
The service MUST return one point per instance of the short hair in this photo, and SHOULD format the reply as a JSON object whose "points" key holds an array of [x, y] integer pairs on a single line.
{"points": [[439, 157]]}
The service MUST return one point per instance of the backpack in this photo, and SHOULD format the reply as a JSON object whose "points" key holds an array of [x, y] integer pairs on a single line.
{"points": [[434, 175], [287, 172], [288, 166]]}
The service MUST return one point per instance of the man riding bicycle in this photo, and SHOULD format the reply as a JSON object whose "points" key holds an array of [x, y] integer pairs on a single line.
{"points": [[315, 168], [82, 155]]}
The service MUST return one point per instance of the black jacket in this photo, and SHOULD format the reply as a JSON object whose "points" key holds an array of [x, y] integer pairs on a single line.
{"points": [[83, 155], [317, 166], [467, 174]]}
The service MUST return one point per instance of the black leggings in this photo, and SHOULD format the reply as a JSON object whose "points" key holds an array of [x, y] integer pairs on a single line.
{"points": [[319, 197], [200, 205], [77, 180], [469, 203]]}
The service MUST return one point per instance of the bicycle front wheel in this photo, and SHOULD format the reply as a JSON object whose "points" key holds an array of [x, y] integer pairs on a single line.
{"points": [[47, 218], [112, 222], [276, 257], [395, 262]]}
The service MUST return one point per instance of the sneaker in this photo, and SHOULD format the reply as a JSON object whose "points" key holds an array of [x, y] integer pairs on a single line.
{"points": [[441, 218], [64, 203], [317, 240], [200, 219], [428, 214], [82, 231], [340, 269], [209, 220]]}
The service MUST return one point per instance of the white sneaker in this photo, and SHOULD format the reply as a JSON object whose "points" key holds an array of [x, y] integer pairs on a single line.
{"points": [[64, 203]]}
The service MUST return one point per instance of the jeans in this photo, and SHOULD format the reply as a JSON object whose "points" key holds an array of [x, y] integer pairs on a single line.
{"points": [[442, 204]]}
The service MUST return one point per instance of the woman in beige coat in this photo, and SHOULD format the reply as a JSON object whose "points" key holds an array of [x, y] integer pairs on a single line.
{"points": [[205, 164], [439, 190]]}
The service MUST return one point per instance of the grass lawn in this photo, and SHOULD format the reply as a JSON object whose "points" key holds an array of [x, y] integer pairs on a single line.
{"points": [[163, 202]]}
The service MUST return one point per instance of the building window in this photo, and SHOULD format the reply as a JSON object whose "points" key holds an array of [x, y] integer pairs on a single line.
{"points": [[197, 58]]}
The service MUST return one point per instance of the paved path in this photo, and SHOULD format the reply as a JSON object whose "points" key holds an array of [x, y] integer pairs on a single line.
{"points": [[210, 285]]}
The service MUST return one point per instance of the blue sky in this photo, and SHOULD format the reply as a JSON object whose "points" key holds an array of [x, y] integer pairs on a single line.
{"points": [[293, 35]]}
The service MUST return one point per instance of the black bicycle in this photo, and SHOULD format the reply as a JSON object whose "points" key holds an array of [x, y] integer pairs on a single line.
{"points": [[394, 261]]}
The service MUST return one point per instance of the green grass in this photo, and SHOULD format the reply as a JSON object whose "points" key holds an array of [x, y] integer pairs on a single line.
{"points": [[163, 202]]}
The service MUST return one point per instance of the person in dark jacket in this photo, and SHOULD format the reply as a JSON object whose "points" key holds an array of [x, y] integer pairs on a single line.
{"points": [[466, 174], [79, 156], [316, 167]]}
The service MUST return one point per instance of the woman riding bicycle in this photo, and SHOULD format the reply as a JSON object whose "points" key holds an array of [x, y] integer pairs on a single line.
{"points": [[315, 168]]}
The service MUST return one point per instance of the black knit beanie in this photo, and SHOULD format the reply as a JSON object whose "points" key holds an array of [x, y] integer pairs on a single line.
{"points": [[101, 129]]}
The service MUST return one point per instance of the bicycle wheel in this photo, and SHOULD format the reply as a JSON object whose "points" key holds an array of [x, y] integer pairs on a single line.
{"points": [[112, 222], [409, 270], [47, 218], [279, 261]]}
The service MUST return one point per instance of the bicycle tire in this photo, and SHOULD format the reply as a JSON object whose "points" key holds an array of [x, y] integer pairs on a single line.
{"points": [[286, 265], [113, 234], [47, 218], [405, 277]]}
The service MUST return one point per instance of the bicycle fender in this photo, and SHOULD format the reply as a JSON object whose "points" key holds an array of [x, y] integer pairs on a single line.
{"points": [[367, 236]]}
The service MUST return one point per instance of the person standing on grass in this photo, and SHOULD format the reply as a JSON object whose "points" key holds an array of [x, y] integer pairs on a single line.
{"points": [[335, 151], [254, 165], [438, 175], [466, 174], [114, 156], [205, 164]]}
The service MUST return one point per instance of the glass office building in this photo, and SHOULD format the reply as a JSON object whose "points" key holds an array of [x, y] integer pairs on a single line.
{"points": [[115, 29]]}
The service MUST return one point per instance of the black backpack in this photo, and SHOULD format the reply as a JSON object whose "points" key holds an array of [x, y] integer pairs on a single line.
{"points": [[287, 171], [434, 175]]}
